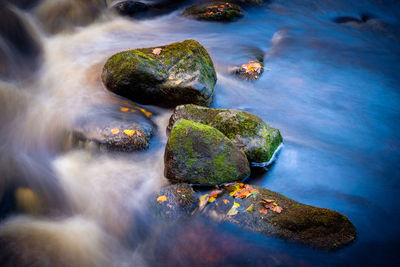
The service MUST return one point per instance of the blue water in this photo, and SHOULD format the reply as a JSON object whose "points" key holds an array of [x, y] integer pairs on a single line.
{"points": [[333, 90]]}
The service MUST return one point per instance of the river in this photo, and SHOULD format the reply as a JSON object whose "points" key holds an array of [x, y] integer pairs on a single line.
{"points": [[332, 88]]}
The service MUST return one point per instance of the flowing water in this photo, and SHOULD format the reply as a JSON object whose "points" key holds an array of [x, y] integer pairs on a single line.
{"points": [[332, 88]]}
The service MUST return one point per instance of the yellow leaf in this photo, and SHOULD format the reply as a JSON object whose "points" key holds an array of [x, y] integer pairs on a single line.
{"points": [[203, 201], [129, 132], [250, 208], [233, 211], [145, 112], [114, 130], [124, 109], [162, 198], [211, 199]]}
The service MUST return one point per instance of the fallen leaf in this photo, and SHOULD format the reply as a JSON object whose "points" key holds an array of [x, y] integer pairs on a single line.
{"points": [[129, 132], [215, 193], [268, 200], [252, 67], [277, 209], [203, 201], [157, 51], [233, 211], [162, 198], [211, 199], [263, 211], [145, 112], [138, 133], [124, 109], [114, 130], [250, 208], [225, 201]]}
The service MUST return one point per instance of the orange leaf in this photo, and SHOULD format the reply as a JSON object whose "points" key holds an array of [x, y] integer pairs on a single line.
{"points": [[114, 130], [268, 200], [124, 109], [162, 198], [225, 201], [263, 211], [277, 209]]}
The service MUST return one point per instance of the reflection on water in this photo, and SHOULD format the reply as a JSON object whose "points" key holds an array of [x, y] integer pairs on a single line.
{"points": [[332, 89]]}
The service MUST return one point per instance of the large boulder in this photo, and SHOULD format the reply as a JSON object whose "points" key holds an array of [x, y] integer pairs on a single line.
{"points": [[260, 210], [200, 154], [179, 73], [110, 129], [214, 11], [247, 131], [276, 215]]}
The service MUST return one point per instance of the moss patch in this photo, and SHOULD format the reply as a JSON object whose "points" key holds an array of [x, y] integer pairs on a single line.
{"points": [[200, 154], [248, 132]]}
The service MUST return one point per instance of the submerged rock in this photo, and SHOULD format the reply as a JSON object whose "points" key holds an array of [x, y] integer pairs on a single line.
{"points": [[214, 11], [169, 75], [179, 200], [127, 129], [130, 8], [200, 154], [247, 131]]}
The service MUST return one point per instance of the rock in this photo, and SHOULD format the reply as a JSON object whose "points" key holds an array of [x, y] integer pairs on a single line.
{"points": [[127, 129], [179, 73], [63, 15], [319, 228], [200, 154], [248, 132], [130, 8], [180, 201], [214, 11], [250, 71]]}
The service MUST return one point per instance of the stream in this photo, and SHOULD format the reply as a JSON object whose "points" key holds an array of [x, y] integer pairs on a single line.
{"points": [[332, 87]]}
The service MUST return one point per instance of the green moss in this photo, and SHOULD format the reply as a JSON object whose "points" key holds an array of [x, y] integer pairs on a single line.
{"points": [[257, 139], [203, 155]]}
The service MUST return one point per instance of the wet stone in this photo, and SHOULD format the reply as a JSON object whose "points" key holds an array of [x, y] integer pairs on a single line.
{"points": [[123, 129]]}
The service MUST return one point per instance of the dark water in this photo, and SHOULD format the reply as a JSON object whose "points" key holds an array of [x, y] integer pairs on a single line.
{"points": [[332, 89]]}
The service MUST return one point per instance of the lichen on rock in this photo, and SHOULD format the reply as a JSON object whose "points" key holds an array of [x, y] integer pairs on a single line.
{"points": [[179, 73], [200, 154], [247, 131]]}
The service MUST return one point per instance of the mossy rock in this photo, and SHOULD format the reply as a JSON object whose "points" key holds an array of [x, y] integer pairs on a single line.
{"points": [[250, 71], [214, 11], [111, 129], [319, 228], [179, 73], [247, 131], [200, 154], [180, 200]]}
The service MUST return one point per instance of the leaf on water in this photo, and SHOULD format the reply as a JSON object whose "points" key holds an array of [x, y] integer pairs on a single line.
{"points": [[124, 109], [203, 201], [250, 208], [211, 199], [162, 199], [215, 193], [233, 211], [263, 211], [157, 51], [225, 201], [138, 133], [115, 131], [129, 132], [145, 112]]}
